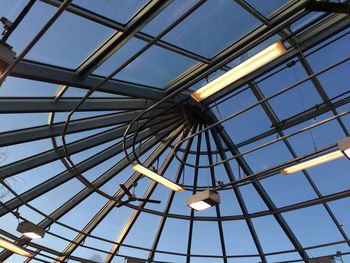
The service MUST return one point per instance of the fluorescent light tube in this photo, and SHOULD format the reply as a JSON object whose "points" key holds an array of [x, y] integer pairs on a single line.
{"points": [[262, 58], [156, 177], [313, 162], [201, 205], [14, 248]]}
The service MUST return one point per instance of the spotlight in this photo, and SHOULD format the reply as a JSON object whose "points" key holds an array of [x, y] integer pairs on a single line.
{"points": [[30, 230], [203, 200], [7, 55]]}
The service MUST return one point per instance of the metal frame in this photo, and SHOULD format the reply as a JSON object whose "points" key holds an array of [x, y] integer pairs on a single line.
{"points": [[160, 130]]}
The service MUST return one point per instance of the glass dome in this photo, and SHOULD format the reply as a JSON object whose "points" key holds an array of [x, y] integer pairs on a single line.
{"points": [[96, 87]]}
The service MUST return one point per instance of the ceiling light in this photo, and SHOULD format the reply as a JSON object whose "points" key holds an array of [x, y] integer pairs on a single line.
{"points": [[344, 150], [7, 55], [30, 230], [344, 146], [156, 177], [262, 58], [313, 162], [203, 200], [14, 248]]}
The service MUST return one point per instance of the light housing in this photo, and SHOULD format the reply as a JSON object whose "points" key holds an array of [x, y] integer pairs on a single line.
{"points": [[14, 248], [7, 56], [203, 200], [134, 260], [344, 146], [260, 59], [30, 230], [156, 177]]}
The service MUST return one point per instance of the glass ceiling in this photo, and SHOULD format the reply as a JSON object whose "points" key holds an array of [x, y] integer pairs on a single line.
{"points": [[95, 83]]}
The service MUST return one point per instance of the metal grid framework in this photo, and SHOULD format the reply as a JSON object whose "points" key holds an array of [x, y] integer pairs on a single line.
{"points": [[95, 139]]}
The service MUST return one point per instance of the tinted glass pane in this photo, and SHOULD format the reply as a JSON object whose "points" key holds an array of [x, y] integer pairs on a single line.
{"points": [[120, 10], [212, 22]]}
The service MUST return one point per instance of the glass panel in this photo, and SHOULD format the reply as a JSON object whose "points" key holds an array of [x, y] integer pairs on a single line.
{"points": [[238, 240], [341, 214], [213, 21], [11, 9], [271, 235], [303, 224], [120, 57], [120, 11], [56, 47], [288, 189], [155, 67], [17, 87], [266, 7], [168, 16], [331, 177]]}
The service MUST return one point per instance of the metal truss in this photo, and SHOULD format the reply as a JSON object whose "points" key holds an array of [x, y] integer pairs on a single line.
{"points": [[163, 127]]}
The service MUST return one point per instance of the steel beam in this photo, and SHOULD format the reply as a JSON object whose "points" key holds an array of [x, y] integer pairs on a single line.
{"points": [[195, 180], [135, 214], [37, 71], [238, 194], [48, 104], [217, 208], [80, 125], [74, 147], [321, 91], [299, 118], [166, 210]]}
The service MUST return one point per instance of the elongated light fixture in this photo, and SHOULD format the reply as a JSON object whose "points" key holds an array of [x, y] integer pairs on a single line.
{"points": [[313, 162], [156, 177], [14, 248], [262, 58], [344, 150], [30, 230]]}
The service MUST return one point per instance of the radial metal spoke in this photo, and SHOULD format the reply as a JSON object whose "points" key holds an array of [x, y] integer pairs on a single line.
{"points": [[31, 105], [239, 196], [217, 208], [171, 197], [86, 124], [136, 213], [264, 196], [195, 180]]}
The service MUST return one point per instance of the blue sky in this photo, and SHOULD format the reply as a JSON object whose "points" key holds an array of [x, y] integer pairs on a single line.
{"points": [[71, 39]]}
